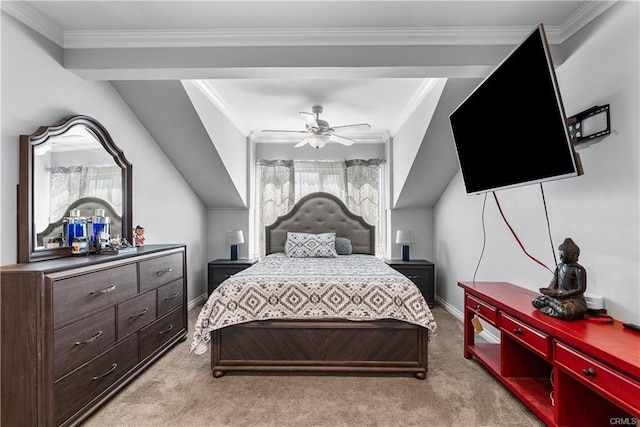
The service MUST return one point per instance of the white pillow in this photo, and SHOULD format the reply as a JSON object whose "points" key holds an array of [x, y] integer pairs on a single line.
{"points": [[306, 245]]}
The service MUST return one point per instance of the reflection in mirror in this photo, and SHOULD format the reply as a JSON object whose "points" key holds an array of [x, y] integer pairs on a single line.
{"points": [[68, 168], [78, 178]]}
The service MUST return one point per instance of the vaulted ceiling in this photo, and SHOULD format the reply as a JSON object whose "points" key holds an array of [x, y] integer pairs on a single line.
{"points": [[261, 62]]}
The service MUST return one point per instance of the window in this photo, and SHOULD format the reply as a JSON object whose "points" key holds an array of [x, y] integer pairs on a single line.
{"points": [[356, 182], [311, 177], [69, 184]]}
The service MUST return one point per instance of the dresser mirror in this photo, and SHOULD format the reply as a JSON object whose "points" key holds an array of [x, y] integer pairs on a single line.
{"points": [[69, 170]]}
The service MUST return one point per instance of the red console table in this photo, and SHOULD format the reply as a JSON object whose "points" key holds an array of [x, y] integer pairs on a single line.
{"points": [[569, 373]]}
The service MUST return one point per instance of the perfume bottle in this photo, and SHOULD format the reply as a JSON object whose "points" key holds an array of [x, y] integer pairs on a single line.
{"points": [[100, 232], [74, 226]]}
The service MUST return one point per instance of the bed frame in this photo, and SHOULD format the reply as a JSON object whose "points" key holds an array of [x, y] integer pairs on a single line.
{"points": [[321, 346]]}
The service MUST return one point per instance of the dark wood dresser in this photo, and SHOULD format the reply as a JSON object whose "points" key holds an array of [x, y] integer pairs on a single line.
{"points": [[76, 330]]}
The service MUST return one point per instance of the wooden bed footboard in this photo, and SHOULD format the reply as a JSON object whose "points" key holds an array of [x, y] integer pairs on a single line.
{"points": [[321, 346]]}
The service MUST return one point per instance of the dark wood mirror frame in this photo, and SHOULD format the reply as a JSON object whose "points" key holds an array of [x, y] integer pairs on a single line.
{"points": [[26, 247]]}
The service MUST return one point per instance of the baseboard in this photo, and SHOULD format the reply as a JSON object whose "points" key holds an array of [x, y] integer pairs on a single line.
{"points": [[198, 301], [451, 309], [486, 335]]}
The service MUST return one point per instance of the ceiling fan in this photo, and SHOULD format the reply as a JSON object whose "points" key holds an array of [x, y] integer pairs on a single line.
{"points": [[320, 132]]}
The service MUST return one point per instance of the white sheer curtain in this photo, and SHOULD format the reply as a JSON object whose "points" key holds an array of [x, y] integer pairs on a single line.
{"points": [[311, 177], [364, 195], [356, 182], [69, 184], [276, 194]]}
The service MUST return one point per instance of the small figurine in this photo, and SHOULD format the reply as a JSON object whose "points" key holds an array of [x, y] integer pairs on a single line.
{"points": [[564, 297], [139, 235]]}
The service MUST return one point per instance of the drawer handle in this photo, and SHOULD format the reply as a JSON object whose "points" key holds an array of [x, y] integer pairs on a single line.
{"points": [[90, 340], [143, 312], [113, 368], [413, 277], [166, 270], [165, 331], [172, 296], [517, 331], [477, 307], [105, 290], [589, 372]]}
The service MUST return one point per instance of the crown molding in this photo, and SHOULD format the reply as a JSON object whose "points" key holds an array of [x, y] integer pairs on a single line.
{"points": [[413, 103], [215, 98], [263, 138], [87, 39], [34, 20], [587, 13], [265, 37]]}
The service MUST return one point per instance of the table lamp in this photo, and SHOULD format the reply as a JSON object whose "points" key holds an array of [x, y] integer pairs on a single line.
{"points": [[403, 237], [234, 238]]}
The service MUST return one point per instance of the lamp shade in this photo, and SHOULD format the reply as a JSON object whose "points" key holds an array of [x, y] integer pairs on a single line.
{"points": [[234, 237], [403, 236]]}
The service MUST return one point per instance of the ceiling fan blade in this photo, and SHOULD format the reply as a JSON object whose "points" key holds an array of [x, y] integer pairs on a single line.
{"points": [[342, 140], [284, 131], [301, 143], [310, 120], [361, 126]]}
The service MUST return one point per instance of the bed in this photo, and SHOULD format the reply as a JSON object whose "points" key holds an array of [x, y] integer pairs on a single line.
{"points": [[342, 314]]}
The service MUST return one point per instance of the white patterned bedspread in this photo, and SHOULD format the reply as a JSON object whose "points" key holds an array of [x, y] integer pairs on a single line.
{"points": [[355, 287]]}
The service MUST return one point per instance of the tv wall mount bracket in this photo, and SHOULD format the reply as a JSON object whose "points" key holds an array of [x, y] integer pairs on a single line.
{"points": [[590, 124]]}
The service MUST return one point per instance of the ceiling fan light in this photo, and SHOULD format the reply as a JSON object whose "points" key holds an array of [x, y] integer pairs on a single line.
{"points": [[318, 141]]}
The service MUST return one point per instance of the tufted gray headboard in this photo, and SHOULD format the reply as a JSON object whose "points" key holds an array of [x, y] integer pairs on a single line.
{"points": [[87, 207], [321, 213]]}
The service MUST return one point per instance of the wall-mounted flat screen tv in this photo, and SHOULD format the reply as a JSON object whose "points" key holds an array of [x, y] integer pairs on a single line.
{"points": [[512, 129]]}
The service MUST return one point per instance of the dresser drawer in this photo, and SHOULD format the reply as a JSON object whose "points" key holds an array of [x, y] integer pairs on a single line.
{"points": [[170, 296], [532, 338], [80, 342], [418, 275], [155, 335], [87, 293], [621, 390], [80, 387], [158, 271], [486, 311], [136, 313]]}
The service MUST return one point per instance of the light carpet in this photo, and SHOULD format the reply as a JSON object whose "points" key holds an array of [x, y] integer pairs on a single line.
{"points": [[179, 390]]}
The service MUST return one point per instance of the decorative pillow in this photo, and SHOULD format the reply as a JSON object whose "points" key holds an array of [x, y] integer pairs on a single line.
{"points": [[306, 245], [343, 246]]}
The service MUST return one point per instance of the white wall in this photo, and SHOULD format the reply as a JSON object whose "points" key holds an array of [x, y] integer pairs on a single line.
{"points": [[420, 223], [599, 210], [411, 135], [37, 91], [229, 141], [221, 220]]}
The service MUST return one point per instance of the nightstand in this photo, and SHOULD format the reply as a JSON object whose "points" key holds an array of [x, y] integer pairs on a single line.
{"points": [[421, 272], [221, 269]]}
